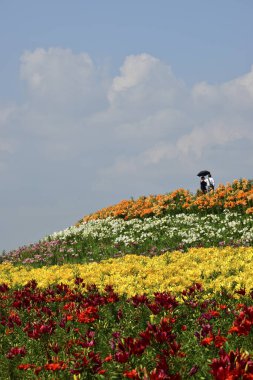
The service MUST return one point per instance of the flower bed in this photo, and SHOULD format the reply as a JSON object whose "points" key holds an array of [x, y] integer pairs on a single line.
{"points": [[106, 238], [236, 196], [215, 268], [69, 333], [159, 288]]}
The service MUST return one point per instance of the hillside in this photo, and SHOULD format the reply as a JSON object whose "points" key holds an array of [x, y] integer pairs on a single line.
{"points": [[150, 225], [154, 288]]}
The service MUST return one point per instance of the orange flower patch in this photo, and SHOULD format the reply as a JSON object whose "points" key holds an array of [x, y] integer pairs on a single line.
{"points": [[237, 196]]}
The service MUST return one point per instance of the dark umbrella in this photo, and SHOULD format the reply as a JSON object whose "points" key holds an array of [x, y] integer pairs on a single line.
{"points": [[203, 173]]}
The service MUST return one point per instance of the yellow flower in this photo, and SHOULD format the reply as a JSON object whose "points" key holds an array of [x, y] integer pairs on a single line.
{"points": [[173, 271]]}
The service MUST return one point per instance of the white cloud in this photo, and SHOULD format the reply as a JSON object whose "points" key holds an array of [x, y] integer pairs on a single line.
{"points": [[145, 86], [141, 119], [200, 138], [237, 93], [58, 78], [240, 90], [222, 114], [136, 69], [55, 69]]}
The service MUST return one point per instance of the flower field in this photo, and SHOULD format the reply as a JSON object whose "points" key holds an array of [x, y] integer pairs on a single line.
{"points": [[157, 288]]}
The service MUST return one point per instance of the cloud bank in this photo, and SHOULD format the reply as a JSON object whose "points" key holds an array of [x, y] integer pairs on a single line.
{"points": [[142, 118], [80, 131]]}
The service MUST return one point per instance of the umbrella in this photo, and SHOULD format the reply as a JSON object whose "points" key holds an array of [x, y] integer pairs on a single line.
{"points": [[203, 173]]}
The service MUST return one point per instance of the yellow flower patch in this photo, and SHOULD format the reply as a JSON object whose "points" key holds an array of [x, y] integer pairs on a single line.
{"points": [[214, 268]]}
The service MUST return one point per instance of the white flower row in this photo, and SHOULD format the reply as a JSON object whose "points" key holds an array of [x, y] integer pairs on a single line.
{"points": [[186, 228]]}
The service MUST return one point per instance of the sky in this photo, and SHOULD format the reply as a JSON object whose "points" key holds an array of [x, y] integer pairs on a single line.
{"points": [[102, 101]]}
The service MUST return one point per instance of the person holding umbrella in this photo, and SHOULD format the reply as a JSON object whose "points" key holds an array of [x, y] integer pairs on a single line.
{"points": [[204, 183]]}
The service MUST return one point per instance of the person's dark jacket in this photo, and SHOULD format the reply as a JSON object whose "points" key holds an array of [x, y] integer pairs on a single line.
{"points": [[203, 186]]}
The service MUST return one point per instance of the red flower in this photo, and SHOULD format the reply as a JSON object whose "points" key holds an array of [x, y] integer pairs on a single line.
{"points": [[219, 340], [38, 370], [214, 313], [165, 300], [78, 280], [241, 291], [138, 300], [223, 307], [119, 314], [13, 318], [108, 358], [4, 288], [206, 341], [25, 367], [132, 374], [90, 314], [35, 330], [231, 366], [55, 347], [14, 351], [240, 306], [101, 372], [122, 357], [55, 366], [69, 306], [243, 322]]}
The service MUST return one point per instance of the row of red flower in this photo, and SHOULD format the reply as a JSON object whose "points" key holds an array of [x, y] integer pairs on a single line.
{"points": [[101, 335]]}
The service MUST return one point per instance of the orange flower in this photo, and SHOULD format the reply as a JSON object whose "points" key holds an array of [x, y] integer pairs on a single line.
{"points": [[9, 331], [55, 366], [231, 196], [108, 358], [90, 314], [233, 329], [133, 374], [207, 341]]}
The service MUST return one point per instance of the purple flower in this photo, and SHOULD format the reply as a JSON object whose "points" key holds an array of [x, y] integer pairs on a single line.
{"points": [[193, 370]]}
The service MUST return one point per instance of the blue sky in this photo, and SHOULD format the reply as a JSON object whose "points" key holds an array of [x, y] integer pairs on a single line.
{"points": [[104, 100]]}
